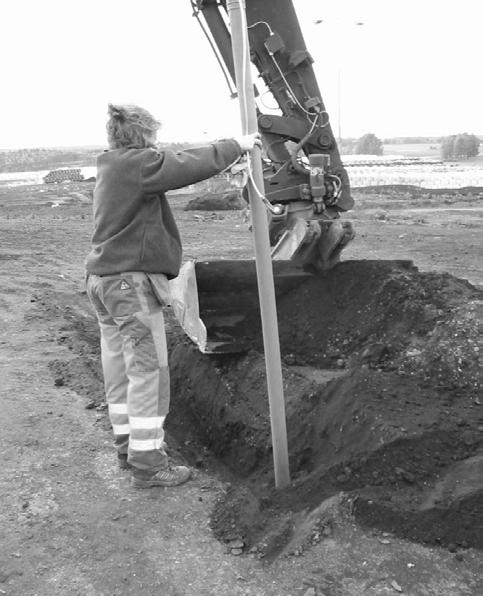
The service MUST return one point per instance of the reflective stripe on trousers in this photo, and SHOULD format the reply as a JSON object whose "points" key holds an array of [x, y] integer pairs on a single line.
{"points": [[134, 361]]}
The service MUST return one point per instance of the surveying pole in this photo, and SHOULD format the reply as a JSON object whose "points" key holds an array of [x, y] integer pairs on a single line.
{"points": [[266, 287]]}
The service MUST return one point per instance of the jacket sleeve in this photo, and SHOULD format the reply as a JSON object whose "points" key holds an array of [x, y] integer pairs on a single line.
{"points": [[169, 170]]}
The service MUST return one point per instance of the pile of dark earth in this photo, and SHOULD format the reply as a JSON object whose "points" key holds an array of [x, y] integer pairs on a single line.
{"points": [[380, 368]]}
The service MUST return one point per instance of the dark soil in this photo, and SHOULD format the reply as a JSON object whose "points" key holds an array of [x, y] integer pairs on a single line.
{"points": [[380, 369], [223, 201], [381, 411], [380, 372]]}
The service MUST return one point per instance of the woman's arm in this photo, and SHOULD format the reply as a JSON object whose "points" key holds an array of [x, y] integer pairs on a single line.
{"points": [[169, 170]]}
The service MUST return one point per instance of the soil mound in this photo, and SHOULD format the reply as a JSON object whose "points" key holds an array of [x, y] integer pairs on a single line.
{"points": [[227, 201], [380, 365], [380, 380]]}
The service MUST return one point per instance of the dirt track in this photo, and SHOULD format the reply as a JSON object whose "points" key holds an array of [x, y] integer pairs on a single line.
{"points": [[72, 525]]}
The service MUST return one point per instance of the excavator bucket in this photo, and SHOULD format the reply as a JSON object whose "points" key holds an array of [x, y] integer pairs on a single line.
{"points": [[217, 302]]}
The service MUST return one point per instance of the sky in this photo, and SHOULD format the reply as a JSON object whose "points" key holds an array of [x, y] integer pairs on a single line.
{"points": [[411, 69]]}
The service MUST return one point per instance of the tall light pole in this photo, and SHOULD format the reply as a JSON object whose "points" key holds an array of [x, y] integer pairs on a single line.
{"points": [[339, 83], [339, 126]]}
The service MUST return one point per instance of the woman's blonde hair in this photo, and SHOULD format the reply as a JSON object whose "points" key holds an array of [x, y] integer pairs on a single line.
{"points": [[130, 126]]}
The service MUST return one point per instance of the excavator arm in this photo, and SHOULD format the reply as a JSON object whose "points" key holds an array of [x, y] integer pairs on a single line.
{"points": [[306, 186]]}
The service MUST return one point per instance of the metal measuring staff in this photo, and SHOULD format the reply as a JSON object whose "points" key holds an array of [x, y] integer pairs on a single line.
{"points": [[266, 288]]}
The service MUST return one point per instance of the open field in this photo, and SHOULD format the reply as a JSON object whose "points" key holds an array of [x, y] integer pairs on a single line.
{"points": [[423, 150], [426, 176], [429, 173], [71, 523], [413, 149], [452, 175]]}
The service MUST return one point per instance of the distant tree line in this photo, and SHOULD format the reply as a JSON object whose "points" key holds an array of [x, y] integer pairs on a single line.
{"points": [[410, 140], [20, 160], [461, 146], [43, 158], [368, 144], [176, 146]]}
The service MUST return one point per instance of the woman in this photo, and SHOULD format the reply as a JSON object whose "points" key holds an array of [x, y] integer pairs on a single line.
{"points": [[136, 249]]}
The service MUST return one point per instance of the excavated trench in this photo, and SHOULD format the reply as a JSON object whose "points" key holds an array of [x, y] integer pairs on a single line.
{"points": [[380, 365], [380, 381]]}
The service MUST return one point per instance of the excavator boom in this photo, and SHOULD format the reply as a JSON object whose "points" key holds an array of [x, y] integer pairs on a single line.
{"points": [[305, 180], [306, 188]]}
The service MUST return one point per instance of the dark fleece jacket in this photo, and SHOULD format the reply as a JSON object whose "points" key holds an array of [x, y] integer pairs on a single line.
{"points": [[134, 228]]}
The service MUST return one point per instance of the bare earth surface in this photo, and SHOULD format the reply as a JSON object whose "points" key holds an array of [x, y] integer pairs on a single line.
{"points": [[69, 521]]}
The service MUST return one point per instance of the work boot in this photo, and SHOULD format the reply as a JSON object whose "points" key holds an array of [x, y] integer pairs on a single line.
{"points": [[122, 461], [170, 476]]}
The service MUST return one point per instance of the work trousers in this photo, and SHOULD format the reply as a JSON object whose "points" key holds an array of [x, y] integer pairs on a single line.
{"points": [[134, 361]]}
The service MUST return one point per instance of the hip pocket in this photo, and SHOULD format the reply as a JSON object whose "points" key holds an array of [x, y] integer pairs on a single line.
{"points": [[160, 285]]}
